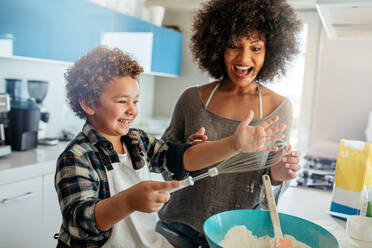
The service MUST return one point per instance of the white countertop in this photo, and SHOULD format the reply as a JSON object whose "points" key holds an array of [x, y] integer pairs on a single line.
{"points": [[306, 203], [20, 165], [313, 204]]}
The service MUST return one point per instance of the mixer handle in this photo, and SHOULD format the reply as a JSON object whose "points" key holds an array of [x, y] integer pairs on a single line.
{"points": [[184, 183]]}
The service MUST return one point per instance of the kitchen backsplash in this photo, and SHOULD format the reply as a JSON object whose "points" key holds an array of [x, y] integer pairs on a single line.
{"points": [[61, 116]]}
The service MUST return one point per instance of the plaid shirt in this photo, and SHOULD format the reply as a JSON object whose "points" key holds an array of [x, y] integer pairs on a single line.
{"points": [[81, 180]]}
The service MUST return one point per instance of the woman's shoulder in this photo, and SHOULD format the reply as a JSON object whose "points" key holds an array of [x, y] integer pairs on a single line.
{"points": [[274, 98], [277, 103], [206, 89]]}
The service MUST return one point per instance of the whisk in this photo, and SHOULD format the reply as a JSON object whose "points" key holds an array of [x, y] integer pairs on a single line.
{"points": [[239, 162]]}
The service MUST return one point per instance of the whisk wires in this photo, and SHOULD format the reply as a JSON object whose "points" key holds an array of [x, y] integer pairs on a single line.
{"points": [[251, 161], [247, 161]]}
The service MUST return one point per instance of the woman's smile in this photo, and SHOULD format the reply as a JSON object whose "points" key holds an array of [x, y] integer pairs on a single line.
{"points": [[243, 71]]}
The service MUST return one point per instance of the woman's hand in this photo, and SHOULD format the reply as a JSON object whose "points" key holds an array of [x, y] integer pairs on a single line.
{"points": [[198, 137], [286, 169], [256, 138]]}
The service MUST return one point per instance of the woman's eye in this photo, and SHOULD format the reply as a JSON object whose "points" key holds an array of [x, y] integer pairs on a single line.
{"points": [[136, 102], [122, 101], [233, 46], [256, 49]]}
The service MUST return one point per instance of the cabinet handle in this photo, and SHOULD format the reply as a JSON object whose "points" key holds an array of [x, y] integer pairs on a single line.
{"points": [[18, 197]]}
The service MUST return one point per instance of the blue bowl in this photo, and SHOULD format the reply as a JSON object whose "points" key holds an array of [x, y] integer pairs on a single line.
{"points": [[259, 223]]}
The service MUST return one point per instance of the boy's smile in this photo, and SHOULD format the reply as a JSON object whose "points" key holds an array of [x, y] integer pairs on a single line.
{"points": [[116, 108]]}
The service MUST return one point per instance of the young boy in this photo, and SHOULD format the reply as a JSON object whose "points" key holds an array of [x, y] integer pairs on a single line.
{"points": [[102, 179]]}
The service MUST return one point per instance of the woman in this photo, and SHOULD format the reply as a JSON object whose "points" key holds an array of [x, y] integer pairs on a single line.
{"points": [[242, 44]]}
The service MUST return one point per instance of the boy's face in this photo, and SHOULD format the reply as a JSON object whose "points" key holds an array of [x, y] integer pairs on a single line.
{"points": [[116, 108]]}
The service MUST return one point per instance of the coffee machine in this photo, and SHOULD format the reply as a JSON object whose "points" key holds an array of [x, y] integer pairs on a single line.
{"points": [[22, 119], [4, 109], [37, 89]]}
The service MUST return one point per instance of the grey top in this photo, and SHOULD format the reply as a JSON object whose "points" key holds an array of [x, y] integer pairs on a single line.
{"points": [[211, 195]]}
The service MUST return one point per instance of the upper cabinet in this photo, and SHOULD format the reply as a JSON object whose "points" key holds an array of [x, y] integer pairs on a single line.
{"points": [[66, 30]]}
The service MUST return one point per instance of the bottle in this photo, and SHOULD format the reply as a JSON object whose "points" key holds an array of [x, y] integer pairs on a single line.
{"points": [[369, 204], [6, 44]]}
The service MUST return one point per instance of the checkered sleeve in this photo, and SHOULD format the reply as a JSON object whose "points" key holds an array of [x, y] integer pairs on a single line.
{"points": [[77, 186], [164, 155]]}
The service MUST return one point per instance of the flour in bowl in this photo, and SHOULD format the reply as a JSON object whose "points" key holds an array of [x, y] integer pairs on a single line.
{"points": [[241, 237]]}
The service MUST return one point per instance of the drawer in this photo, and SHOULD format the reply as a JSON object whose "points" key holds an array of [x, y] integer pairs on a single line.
{"points": [[21, 213], [19, 190]]}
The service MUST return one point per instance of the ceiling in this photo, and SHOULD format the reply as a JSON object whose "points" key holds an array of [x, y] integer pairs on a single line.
{"points": [[183, 5], [346, 19], [342, 19]]}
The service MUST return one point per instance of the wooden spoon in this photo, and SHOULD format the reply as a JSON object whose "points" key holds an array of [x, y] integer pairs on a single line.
{"points": [[278, 241]]}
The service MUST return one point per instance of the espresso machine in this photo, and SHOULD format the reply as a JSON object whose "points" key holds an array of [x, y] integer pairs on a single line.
{"points": [[22, 123], [4, 109]]}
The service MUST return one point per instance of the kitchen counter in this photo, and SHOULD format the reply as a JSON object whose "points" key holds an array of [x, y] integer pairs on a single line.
{"points": [[307, 203], [20, 165], [312, 204]]}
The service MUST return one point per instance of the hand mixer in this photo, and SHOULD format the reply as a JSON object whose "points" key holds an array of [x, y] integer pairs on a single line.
{"points": [[239, 162]]}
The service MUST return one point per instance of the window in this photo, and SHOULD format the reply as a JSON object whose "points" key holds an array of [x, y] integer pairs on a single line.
{"points": [[299, 82]]}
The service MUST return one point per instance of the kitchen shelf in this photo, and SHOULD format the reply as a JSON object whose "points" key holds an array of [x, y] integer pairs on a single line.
{"points": [[67, 63], [39, 60]]}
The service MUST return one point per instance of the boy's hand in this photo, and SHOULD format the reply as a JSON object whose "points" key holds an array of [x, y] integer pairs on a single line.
{"points": [[286, 169], [147, 197], [256, 138], [198, 137]]}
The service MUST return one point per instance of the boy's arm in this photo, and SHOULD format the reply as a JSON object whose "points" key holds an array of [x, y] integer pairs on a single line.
{"points": [[145, 197], [77, 188]]}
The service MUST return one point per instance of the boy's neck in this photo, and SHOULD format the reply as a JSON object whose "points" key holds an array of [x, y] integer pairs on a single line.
{"points": [[119, 148], [115, 140], [118, 145]]}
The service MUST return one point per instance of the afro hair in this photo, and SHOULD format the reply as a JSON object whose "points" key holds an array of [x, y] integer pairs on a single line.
{"points": [[221, 22]]}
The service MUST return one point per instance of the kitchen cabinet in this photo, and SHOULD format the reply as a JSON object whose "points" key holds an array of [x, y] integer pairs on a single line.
{"points": [[51, 217], [29, 208], [29, 213], [66, 30], [20, 213]]}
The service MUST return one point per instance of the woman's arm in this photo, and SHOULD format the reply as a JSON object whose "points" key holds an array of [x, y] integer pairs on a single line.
{"points": [[246, 137]]}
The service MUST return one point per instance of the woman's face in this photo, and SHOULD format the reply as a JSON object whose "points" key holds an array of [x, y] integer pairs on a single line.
{"points": [[244, 58]]}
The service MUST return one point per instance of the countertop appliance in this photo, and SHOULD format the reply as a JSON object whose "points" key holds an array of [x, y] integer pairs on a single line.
{"points": [[22, 119], [4, 108], [37, 89], [317, 172]]}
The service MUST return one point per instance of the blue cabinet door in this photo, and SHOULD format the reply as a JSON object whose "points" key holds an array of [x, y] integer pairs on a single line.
{"points": [[66, 30], [167, 51]]}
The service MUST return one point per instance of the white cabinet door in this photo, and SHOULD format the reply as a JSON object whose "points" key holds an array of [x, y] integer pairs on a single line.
{"points": [[20, 214], [52, 217]]}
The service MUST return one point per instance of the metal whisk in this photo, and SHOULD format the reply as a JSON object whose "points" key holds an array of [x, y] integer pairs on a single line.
{"points": [[240, 162]]}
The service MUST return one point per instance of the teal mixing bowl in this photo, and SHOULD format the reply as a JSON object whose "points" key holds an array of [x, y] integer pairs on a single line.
{"points": [[259, 223]]}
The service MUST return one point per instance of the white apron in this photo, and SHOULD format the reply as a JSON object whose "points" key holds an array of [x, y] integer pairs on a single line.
{"points": [[138, 229]]}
